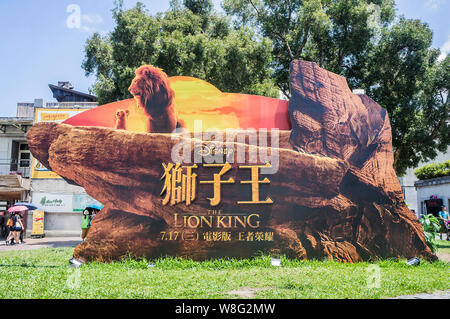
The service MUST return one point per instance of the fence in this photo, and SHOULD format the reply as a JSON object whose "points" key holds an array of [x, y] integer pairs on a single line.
{"points": [[10, 166]]}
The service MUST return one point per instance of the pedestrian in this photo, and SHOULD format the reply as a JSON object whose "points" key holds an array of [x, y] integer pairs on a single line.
{"points": [[85, 223], [3, 227], [23, 228], [10, 229], [19, 229], [15, 227], [444, 218]]}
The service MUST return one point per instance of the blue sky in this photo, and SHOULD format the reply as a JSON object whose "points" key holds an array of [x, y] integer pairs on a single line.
{"points": [[37, 47]]}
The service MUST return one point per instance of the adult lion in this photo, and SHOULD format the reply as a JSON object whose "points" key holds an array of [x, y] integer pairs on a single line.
{"points": [[154, 95]]}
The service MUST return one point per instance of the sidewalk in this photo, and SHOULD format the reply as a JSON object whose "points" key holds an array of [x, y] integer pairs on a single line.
{"points": [[38, 243], [435, 295]]}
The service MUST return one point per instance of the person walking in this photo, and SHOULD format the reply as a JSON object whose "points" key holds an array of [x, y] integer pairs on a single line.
{"points": [[19, 229], [15, 227], [85, 223], [3, 227], [10, 224], [22, 231], [444, 218]]}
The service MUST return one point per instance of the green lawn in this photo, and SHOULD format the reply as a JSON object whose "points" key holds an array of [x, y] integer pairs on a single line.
{"points": [[44, 273], [443, 246]]}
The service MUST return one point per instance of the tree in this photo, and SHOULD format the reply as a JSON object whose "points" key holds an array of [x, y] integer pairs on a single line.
{"points": [[391, 57], [336, 34], [201, 7], [190, 39], [404, 76]]}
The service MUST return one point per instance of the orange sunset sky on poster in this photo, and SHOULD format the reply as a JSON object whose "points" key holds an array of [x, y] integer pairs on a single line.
{"points": [[196, 99]]}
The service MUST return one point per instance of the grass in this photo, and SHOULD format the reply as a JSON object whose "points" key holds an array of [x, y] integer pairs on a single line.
{"points": [[443, 246], [44, 273]]}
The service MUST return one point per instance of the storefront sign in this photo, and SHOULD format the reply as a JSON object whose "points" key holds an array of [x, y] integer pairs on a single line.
{"points": [[38, 223], [55, 203]]}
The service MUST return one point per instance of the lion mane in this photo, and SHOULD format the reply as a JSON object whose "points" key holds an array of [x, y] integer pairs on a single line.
{"points": [[152, 91]]}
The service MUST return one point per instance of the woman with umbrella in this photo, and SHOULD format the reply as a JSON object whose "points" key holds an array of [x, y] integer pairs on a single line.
{"points": [[17, 228], [86, 221], [15, 224]]}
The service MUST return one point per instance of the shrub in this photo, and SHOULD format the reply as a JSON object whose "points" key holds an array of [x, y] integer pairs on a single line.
{"points": [[431, 227], [433, 170]]}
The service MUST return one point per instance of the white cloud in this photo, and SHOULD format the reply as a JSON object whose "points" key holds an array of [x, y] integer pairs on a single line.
{"points": [[445, 49], [434, 4]]}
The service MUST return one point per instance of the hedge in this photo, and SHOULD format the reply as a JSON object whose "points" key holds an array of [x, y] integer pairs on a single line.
{"points": [[433, 170]]}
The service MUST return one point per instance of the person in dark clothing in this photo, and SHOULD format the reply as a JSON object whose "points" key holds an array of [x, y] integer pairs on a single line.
{"points": [[22, 230], [15, 227], [3, 228]]}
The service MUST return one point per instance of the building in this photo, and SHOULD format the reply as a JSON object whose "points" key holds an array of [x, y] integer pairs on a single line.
{"points": [[417, 192], [15, 160], [22, 178], [432, 194]]}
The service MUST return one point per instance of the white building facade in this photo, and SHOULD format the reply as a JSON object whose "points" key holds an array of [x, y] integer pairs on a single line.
{"points": [[416, 192], [61, 202]]}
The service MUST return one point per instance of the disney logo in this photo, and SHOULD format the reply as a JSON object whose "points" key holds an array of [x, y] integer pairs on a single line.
{"points": [[213, 149]]}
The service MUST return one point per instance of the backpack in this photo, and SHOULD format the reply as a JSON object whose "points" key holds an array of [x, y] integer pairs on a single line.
{"points": [[10, 222]]}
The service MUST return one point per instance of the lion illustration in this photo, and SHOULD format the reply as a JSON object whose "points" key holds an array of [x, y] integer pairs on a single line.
{"points": [[121, 119], [154, 95]]}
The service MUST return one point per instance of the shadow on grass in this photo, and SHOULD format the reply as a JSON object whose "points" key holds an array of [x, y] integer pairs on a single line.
{"points": [[30, 266], [445, 245], [57, 244]]}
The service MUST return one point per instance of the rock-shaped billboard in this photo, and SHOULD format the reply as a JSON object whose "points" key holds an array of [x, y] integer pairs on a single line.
{"points": [[198, 173]]}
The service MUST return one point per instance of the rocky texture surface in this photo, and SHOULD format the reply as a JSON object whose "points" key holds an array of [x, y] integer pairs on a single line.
{"points": [[329, 120], [335, 194]]}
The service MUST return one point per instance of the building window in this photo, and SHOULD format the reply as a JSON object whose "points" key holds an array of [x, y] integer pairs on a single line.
{"points": [[24, 159]]}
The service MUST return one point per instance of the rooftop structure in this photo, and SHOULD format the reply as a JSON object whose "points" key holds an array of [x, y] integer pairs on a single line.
{"points": [[64, 92]]}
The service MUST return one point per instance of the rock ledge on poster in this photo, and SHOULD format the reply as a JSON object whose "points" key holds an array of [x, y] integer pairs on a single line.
{"points": [[335, 194]]}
